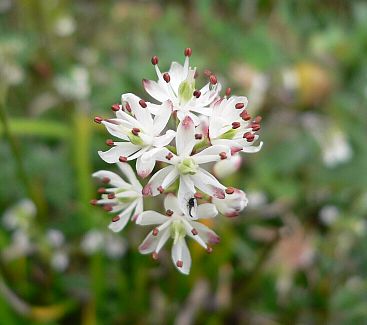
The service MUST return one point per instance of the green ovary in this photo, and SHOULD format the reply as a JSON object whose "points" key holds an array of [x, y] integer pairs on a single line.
{"points": [[187, 167], [177, 230]]}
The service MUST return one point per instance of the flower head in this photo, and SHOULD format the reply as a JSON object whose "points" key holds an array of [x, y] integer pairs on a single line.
{"points": [[123, 197], [177, 224]]}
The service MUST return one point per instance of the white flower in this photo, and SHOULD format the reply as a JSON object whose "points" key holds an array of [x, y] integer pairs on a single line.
{"points": [[231, 125], [59, 261], [124, 197], [232, 204], [177, 225], [55, 237], [115, 246], [20, 215], [186, 167], [227, 167], [178, 86], [92, 242], [139, 131]]}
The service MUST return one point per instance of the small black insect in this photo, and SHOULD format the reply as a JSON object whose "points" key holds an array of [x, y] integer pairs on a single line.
{"points": [[191, 204]]}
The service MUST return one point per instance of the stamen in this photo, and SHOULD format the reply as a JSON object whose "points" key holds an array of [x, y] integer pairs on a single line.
{"points": [[98, 119], [166, 77], [198, 136], [194, 231], [115, 218], [101, 190], [228, 92], [147, 190], [258, 119], [142, 103], [223, 155], [109, 142], [234, 150], [239, 105], [236, 125], [135, 131], [198, 195], [209, 250], [213, 79], [155, 255], [169, 156], [111, 196], [122, 159], [169, 213], [188, 51], [179, 263], [106, 180], [115, 107], [249, 136], [155, 60], [229, 190], [245, 116], [93, 202], [256, 127], [107, 207], [155, 232], [128, 107], [197, 93], [160, 189]]}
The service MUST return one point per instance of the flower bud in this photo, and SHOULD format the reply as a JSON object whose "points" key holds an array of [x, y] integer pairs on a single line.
{"points": [[232, 204]]}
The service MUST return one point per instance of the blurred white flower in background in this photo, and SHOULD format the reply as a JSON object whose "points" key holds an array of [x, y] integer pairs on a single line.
{"points": [[65, 26], [20, 215], [55, 237], [11, 71], [328, 214], [92, 242], [227, 167], [59, 261]]}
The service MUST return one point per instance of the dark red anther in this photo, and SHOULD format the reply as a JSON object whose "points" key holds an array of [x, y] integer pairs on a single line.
{"points": [[115, 107], [155, 232], [155, 255], [245, 116], [209, 250], [255, 127], [239, 105], [169, 156], [155, 60], [198, 136], [160, 189], [115, 218], [107, 207], [128, 107], [169, 213], [111, 196], [106, 180], [135, 131], [109, 142], [93, 202], [143, 103], [188, 51], [228, 92], [194, 231], [258, 119], [179, 263], [101, 190], [249, 136], [166, 77], [223, 155], [229, 190], [213, 79], [197, 93], [236, 125], [198, 196], [122, 159], [98, 119]]}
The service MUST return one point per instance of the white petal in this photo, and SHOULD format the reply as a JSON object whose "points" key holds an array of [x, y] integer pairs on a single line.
{"points": [[177, 75], [123, 149], [170, 178], [206, 211], [151, 218], [115, 180], [208, 184], [124, 218], [149, 244], [165, 139], [211, 154], [156, 181], [129, 173], [185, 137], [208, 235], [116, 131], [144, 166], [171, 203], [161, 120], [253, 149], [186, 190], [180, 252], [155, 90]]}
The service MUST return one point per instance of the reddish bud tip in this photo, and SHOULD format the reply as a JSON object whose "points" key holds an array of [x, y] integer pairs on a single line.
{"points": [[228, 92], [109, 142], [179, 263], [198, 136], [239, 105], [213, 79], [194, 231], [98, 119], [155, 60], [115, 218], [115, 107], [188, 51], [236, 125], [223, 155], [155, 232], [142, 103], [229, 190], [166, 77], [169, 213]]}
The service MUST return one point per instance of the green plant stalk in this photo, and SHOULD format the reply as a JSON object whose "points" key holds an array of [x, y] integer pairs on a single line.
{"points": [[32, 191]]}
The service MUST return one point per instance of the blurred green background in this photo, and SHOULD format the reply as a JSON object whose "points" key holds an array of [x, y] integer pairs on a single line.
{"points": [[298, 253]]}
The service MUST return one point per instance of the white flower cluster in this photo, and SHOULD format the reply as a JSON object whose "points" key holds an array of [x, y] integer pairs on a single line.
{"points": [[187, 129]]}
